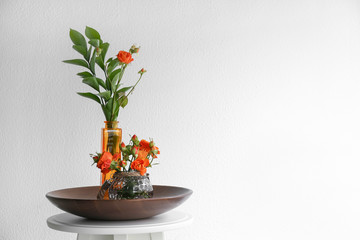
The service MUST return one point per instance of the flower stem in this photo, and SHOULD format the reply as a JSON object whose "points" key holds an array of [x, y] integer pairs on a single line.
{"points": [[134, 86]]}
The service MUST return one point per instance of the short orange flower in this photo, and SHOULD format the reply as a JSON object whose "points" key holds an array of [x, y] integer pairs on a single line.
{"points": [[125, 57], [105, 167], [105, 162], [145, 149], [144, 145], [140, 165], [106, 156]]}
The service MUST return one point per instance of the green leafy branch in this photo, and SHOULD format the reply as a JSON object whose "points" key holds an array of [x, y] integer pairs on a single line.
{"points": [[108, 92]]}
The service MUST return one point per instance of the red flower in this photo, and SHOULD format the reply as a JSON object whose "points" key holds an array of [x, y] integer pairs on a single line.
{"points": [[125, 57]]}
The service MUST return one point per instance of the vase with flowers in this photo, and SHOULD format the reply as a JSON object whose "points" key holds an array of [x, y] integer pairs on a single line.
{"points": [[130, 180], [109, 92]]}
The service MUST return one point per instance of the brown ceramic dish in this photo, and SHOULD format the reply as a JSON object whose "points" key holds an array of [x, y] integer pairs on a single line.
{"points": [[82, 202]]}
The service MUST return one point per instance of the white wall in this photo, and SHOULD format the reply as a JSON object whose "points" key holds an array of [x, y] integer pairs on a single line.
{"points": [[254, 105]]}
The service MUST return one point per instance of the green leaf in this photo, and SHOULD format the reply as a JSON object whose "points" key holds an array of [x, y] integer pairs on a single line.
{"points": [[107, 112], [92, 82], [106, 95], [108, 84], [109, 60], [94, 42], [91, 96], [113, 74], [116, 113], [113, 85], [77, 38], [104, 47], [79, 62], [101, 82], [112, 65], [123, 101], [115, 108], [100, 62], [84, 74], [124, 89], [92, 62], [108, 105], [91, 33], [80, 49]]}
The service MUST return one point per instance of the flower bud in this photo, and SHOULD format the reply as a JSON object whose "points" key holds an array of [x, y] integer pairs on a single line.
{"points": [[96, 159], [98, 51], [142, 71], [123, 164], [151, 144], [123, 147], [135, 140], [135, 150], [134, 49]]}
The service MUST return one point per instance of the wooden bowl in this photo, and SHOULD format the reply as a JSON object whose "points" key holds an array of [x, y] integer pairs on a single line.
{"points": [[82, 202]]}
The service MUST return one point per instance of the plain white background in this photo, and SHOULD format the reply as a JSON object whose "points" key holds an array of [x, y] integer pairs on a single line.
{"points": [[254, 105]]}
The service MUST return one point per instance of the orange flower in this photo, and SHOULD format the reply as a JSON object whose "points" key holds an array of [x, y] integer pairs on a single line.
{"points": [[106, 156], [157, 149], [140, 165], [125, 57], [105, 162], [145, 148], [144, 145], [105, 167]]}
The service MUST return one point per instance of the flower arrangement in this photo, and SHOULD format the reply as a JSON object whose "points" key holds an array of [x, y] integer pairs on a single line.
{"points": [[108, 92], [136, 156]]}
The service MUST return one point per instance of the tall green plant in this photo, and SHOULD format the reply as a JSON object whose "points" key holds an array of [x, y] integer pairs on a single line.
{"points": [[108, 93]]}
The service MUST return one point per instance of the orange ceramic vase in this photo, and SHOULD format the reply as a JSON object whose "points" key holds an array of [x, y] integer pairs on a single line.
{"points": [[110, 141]]}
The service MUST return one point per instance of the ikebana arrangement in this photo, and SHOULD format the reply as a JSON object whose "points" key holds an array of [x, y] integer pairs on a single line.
{"points": [[123, 167], [136, 156]]}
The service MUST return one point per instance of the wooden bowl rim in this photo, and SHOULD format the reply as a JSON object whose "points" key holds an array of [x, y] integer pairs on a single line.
{"points": [[187, 193]]}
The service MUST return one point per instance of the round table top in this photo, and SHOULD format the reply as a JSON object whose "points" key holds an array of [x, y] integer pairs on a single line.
{"points": [[67, 222]]}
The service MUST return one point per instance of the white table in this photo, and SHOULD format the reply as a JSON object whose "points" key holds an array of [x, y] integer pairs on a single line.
{"points": [[143, 229]]}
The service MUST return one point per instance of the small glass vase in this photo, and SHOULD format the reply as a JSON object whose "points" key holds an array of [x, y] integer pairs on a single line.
{"points": [[127, 185], [110, 140]]}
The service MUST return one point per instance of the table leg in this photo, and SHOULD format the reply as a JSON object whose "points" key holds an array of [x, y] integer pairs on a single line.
{"points": [[157, 236], [120, 237], [143, 236], [95, 237], [149, 236]]}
